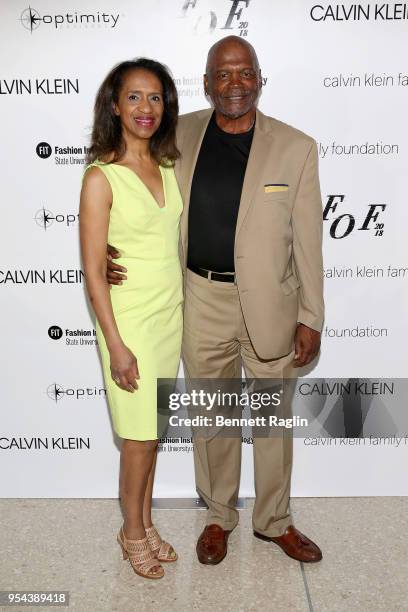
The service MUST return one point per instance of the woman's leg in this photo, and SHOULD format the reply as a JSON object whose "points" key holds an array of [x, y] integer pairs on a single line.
{"points": [[136, 461], [157, 544], [147, 503]]}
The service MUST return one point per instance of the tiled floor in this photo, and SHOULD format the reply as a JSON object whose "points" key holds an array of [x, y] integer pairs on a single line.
{"points": [[70, 545]]}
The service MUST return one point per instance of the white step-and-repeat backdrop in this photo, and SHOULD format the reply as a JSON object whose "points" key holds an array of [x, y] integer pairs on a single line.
{"points": [[336, 71]]}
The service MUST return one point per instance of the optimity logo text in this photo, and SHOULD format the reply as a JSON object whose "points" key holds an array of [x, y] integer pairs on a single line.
{"points": [[56, 392], [31, 19], [45, 218]]}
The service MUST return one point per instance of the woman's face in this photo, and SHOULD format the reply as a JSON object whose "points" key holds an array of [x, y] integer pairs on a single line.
{"points": [[140, 105]]}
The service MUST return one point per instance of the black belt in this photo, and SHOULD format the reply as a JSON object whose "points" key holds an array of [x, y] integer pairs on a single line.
{"points": [[224, 277]]}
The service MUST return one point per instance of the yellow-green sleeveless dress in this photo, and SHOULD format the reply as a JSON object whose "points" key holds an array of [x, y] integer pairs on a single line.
{"points": [[148, 306]]}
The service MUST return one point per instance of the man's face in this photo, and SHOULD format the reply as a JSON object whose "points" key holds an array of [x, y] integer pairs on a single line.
{"points": [[233, 80]]}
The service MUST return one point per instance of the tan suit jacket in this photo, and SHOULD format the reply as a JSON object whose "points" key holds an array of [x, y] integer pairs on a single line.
{"points": [[278, 240]]}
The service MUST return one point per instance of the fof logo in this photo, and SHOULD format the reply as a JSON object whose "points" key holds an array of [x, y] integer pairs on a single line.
{"points": [[342, 225], [45, 218], [31, 19], [43, 150], [56, 392], [206, 17], [55, 332]]}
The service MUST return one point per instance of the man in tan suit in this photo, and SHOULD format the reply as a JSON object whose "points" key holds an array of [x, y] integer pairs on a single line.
{"points": [[251, 251]]}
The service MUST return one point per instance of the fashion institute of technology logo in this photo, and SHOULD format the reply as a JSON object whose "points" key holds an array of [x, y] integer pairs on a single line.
{"points": [[62, 156], [73, 337], [31, 19]]}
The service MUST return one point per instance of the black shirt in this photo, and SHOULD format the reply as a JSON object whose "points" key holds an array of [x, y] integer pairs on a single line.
{"points": [[215, 196]]}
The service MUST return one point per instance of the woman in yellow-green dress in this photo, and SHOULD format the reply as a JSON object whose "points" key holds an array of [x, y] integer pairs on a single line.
{"points": [[130, 199]]}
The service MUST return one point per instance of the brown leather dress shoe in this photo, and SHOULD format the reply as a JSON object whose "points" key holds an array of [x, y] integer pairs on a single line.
{"points": [[212, 545], [295, 544]]}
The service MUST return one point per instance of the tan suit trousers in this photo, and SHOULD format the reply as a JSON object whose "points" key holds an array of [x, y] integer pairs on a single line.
{"points": [[216, 345]]}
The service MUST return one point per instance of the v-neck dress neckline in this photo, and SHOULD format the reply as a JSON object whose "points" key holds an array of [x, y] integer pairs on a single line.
{"points": [[146, 187]]}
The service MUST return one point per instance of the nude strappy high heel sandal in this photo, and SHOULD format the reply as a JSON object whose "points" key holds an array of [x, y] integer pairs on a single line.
{"points": [[162, 550], [141, 557]]}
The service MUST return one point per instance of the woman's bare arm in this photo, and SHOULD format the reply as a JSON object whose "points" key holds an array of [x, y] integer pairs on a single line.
{"points": [[95, 203]]}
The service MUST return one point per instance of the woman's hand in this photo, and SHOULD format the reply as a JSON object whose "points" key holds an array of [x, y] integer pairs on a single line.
{"points": [[124, 370]]}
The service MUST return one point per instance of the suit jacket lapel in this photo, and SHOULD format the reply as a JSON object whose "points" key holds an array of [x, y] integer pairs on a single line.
{"points": [[191, 147], [260, 152]]}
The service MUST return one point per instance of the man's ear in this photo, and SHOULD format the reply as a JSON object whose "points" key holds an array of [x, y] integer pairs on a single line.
{"points": [[205, 79], [260, 78]]}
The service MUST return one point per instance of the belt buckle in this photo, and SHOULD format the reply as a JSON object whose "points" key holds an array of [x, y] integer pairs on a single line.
{"points": [[210, 273]]}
